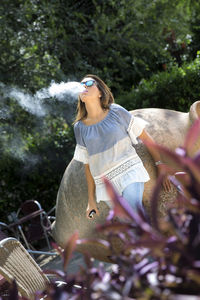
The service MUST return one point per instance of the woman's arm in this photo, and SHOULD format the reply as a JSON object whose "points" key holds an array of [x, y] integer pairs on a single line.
{"points": [[91, 192], [156, 157]]}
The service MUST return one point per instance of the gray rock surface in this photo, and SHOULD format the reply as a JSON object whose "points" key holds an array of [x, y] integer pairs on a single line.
{"points": [[168, 128]]}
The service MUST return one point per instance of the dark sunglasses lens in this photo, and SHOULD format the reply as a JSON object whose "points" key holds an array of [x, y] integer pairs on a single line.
{"points": [[89, 83]]}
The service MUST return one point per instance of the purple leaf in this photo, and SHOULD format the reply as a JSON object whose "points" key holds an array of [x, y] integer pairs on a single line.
{"points": [[172, 159], [69, 248], [87, 260], [110, 215], [148, 243], [172, 239], [192, 135], [149, 268], [195, 169], [58, 249], [123, 209], [193, 275], [177, 162], [128, 285], [181, 151], [196, 264], [120, 206], [13, 295], [183, 178], [141, 264], [187, 202], [58, 273], [100, 242], [196, 159], [193, 205], [154, 201], [115, 227], [176, 183]]}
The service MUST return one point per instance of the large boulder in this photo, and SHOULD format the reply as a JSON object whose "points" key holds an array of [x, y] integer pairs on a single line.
{"points": [[168, 128]]}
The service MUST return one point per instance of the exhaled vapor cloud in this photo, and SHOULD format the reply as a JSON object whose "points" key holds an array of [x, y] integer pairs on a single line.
{"points": [[64, 91]]}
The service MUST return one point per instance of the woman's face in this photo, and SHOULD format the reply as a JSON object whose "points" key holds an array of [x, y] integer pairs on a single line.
{"points": [[91, 90]]}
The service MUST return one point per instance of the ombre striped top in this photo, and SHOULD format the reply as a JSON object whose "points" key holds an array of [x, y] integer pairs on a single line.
{"points": [[108, 148]]}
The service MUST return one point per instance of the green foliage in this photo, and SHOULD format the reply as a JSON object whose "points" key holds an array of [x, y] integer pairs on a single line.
{"points": [[122, 41], [25, 46], [194, 44], [175, 89], [34, 154]]}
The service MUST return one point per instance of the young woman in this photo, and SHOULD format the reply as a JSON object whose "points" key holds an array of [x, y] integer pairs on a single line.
{"points": [[105, 133]]}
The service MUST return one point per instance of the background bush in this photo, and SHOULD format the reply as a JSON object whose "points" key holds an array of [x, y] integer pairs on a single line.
{"points": [[175, 89], [122, 41], [33, 156]]}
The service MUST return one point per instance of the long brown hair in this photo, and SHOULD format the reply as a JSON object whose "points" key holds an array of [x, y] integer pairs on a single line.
{"points": [[105, 100]]}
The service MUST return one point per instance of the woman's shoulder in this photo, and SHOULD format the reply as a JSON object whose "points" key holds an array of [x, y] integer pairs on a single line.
{"points": [[119, 109], [77, 126], [115, 106]]}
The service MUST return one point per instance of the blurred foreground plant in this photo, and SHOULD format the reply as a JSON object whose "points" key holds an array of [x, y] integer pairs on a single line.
{"points": [[158, 261]]}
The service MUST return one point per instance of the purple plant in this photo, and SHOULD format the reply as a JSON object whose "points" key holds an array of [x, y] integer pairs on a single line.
{"points": [[157, 261]]}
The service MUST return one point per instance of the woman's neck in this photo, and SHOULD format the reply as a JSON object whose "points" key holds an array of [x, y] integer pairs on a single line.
{"points": [[95, 114], [94, 111]]}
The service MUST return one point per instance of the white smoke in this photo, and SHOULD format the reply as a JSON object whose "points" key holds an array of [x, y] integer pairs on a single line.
{"points": [[28, 102], [36, 104], [16, 147], [64, 91], [4, 113], [61, 90]]}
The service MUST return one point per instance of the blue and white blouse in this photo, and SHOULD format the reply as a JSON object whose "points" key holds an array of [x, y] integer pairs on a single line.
{"points": [[107, 147]]}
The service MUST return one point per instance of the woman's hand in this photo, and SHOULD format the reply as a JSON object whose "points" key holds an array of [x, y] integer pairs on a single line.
{"points": [[146, 138], [167, 185], [90, 207], [91, 193]]}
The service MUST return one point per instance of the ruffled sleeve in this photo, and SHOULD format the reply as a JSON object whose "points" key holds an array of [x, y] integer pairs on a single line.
{"points": [[80, 153], [133, 125], [135, 128]]}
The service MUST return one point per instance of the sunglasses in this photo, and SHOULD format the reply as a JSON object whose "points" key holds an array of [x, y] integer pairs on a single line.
{"points": [[88, 83]]}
